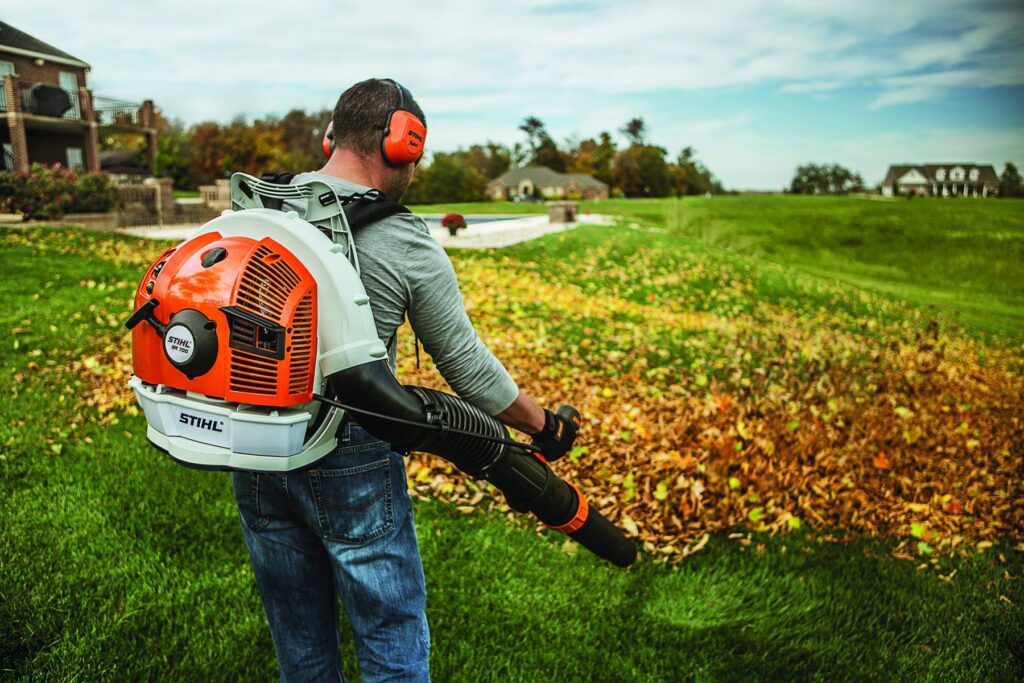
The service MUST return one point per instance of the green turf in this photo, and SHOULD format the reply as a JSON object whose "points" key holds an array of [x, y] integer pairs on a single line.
{"points": [[471, 208], [963, 256], [116, 564]]}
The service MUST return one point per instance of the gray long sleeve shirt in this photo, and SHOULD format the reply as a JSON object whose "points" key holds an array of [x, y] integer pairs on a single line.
{"points": [[405, 270]]}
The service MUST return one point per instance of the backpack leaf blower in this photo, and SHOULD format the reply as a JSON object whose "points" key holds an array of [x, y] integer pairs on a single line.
{"points": [[253, 338]]}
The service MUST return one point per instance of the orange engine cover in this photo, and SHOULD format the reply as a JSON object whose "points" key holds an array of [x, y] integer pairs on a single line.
{"points": [[259, 306]]}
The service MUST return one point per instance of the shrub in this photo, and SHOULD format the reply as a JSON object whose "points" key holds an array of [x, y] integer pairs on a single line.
{"points": [[48, 192], [454, 222]]}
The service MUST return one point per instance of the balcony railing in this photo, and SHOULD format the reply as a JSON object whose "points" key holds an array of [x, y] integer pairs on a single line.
{"points": [[43, 99], [3, 97], [49, 100], [6, 159], [111, 112]]}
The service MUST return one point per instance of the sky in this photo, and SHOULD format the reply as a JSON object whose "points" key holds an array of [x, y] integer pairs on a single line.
{"points": [[757, 88]]}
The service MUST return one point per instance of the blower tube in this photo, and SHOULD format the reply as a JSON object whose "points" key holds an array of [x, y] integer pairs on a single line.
{"points": [[528, 483]]}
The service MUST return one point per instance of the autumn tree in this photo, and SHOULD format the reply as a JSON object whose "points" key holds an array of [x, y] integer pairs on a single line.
{"points": [[641, 171]]}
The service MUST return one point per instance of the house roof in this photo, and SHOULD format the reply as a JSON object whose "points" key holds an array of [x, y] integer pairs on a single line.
{"points": [[986, 172], [18, 42], [585, 180], [545, 177]]}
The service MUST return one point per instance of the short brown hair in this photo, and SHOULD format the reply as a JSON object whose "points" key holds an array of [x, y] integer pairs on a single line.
{"points": [[361, 113]]}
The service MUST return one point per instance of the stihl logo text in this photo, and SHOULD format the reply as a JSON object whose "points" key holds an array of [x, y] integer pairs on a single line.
{"points": [[201, 423]]}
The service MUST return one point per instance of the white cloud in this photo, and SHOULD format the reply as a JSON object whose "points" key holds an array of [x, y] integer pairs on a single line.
{"points": [[479, 67], [242, 56], [923, 87]]}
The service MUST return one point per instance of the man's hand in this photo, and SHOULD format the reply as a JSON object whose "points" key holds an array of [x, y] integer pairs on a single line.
{"points": [[559, 432]]}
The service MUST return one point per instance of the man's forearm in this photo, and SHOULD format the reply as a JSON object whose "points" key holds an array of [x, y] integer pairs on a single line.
{"points": [[523, 414]]}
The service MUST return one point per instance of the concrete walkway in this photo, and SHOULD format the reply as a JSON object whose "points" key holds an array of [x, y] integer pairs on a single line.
{"points": [[487, 235]]}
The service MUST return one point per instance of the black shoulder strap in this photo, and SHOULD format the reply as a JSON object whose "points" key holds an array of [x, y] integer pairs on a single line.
{"points": [[366, 212]]}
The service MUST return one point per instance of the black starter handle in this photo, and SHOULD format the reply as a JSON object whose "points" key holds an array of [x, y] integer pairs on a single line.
{"points": [[145, 313]]}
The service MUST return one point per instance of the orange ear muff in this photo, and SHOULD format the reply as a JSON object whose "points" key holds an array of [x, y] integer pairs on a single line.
{"points": [[328, 142], [404, 139]]}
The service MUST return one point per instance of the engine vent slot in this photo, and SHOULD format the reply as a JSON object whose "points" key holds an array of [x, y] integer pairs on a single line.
{"points": [[266, 284], [299, 375]]}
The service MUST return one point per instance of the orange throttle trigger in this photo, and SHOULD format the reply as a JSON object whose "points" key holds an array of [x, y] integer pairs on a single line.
{"points": [[559, 433]]}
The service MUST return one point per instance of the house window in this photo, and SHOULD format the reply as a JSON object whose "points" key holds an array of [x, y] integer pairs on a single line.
{"points": [[973, 175], [69, 84], [7, 158], [956, 174], [75, 157], [940, 174], [5, 68]]}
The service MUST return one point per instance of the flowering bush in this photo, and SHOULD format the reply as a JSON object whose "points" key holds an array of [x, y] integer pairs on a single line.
{"points": [[454, 222], [47, 192]]}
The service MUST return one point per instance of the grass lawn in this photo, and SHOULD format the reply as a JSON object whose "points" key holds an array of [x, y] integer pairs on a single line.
{"points": [[116, 564], [961, 256], [470, 208]]}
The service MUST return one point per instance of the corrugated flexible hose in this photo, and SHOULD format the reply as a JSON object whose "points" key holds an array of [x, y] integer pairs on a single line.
{"points": [[416, 418]]}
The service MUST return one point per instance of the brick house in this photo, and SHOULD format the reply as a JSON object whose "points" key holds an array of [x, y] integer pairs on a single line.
{"points": [[941, 180], [48, 115], [541, 181]]}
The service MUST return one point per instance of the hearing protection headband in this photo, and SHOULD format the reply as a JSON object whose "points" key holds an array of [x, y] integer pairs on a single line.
{"points": [[404, 134]]}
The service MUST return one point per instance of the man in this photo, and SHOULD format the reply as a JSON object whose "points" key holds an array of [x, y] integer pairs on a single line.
{"points": [[344, 528]]}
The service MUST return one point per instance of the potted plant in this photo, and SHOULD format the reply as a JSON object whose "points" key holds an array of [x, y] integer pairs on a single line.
{"points": [[454, 222]]}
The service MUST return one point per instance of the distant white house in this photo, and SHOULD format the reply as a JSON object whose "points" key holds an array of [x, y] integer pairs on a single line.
{"points": [[941, 180]]}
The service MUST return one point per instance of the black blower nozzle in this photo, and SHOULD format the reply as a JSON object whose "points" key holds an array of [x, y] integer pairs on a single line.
{"points": [[528, 483]]}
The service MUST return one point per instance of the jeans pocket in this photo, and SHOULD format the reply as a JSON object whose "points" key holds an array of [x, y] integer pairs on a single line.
{"points": [[354, 504], [247, 495]]}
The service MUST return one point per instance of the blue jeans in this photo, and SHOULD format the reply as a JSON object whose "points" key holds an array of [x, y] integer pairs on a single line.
{"points": [[342, 529]]}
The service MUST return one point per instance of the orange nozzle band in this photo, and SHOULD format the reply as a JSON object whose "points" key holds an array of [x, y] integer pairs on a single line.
{"points": [[578, 519]]}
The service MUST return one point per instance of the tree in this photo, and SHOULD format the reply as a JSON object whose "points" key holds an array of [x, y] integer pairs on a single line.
{"points": [[604, 158], [1010, 183], [548, 154], [489, 160], [691, 177], [641, 171], [544, 151], [448, 178], [634, 130], [173, 155], [301, 135], [825, 179], [535, 132]]}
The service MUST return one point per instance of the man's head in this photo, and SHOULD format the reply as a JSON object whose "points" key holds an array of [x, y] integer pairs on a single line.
{"points": [[359, 121]]}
